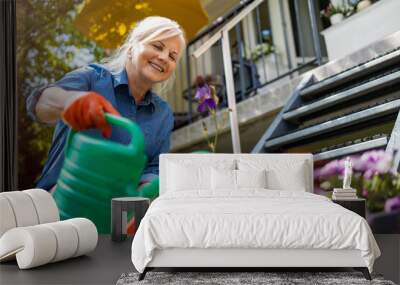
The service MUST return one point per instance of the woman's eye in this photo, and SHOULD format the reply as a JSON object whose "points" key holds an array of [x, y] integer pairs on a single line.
{"points": [[158, 47], [172, 58]]}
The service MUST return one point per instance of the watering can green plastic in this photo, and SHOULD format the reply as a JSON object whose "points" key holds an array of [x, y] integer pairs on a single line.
{"points": [[97, 170]]}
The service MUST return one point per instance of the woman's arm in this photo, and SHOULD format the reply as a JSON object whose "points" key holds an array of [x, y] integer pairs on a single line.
{"points": [[46, 103], [53, 101], [80, 110]]}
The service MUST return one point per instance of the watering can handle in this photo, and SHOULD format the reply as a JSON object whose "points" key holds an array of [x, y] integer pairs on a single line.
{"points": [[137, 139]]}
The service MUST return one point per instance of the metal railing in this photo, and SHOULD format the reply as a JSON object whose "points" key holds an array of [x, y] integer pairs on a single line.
{"points": [[247, 73]]}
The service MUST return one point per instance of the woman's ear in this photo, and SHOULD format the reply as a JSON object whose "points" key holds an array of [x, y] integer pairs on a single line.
{"points": [[130, 52]]}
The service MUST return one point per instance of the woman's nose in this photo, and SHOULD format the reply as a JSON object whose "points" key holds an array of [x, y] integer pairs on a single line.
{"points": [[163, 55]]}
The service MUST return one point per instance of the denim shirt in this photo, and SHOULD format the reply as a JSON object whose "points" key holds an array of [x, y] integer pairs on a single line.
{"points": [[152, 114]]}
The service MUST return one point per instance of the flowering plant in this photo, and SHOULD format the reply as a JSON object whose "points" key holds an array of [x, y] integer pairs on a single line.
{"points": [[208, 102], [373, 178], [331, 10]]}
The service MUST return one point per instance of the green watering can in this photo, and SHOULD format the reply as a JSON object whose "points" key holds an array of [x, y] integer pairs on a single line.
{"points": [[97, 170]]}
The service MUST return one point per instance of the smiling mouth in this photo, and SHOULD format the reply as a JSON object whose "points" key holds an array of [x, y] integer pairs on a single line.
{"points": [[156, 67]]}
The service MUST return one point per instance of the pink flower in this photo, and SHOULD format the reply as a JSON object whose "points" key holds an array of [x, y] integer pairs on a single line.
{"points": [[334, 167], [375, 161], [369, 174], [384, 164], [392, 204]]}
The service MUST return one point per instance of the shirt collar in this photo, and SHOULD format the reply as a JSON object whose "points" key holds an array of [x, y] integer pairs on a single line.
{"points": [[149, 100], [121, 78]]}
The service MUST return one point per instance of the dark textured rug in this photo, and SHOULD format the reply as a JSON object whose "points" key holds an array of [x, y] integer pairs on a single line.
{"points": [[230, 278]]}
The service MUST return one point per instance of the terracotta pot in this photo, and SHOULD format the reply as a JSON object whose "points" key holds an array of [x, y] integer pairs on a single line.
{"points": [[336, 18]]}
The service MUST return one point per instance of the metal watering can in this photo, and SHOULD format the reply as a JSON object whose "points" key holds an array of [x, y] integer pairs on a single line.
{"points": [[97, 170]]}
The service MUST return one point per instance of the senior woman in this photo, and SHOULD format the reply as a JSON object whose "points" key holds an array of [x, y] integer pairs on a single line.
{"points": [[122, 84]]}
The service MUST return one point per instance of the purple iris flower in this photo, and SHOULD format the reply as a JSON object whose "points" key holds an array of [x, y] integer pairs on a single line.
{"points": [[203, 92], [392, 204], [207, 102], [203, 95]]}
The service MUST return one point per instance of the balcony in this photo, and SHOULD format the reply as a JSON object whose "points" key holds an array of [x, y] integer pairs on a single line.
{"points": [[264, 81], [269, 52]]}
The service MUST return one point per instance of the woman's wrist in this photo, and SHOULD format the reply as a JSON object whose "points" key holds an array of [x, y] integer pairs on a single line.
{"points": [[71, 96]]}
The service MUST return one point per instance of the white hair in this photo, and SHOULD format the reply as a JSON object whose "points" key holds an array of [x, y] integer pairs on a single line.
{"points": [[154, 28]]}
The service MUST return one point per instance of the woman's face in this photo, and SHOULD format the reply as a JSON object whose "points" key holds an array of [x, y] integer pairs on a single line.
{"points": [[157, 60]]}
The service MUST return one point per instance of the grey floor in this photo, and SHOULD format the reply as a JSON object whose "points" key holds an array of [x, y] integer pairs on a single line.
{"points": [[103, 266], [110, 259]]}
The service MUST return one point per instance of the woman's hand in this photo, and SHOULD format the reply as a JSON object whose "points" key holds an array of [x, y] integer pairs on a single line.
{"points": [[87, 112]]}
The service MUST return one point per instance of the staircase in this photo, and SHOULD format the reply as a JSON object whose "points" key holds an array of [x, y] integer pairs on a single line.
{"points": [[346, 113]]}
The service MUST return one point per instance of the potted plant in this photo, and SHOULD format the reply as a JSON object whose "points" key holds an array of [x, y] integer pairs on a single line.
{"points": [[336, 13], [375, 180], [262, 49]]}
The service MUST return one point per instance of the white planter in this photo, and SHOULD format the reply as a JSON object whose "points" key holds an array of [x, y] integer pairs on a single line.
{"points": [[362, 29], [269, 64], [336, 19]]}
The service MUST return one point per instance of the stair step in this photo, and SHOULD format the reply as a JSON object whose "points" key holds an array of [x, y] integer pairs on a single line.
{"points": [[371, 144], [335, 124], [344, 96], [352, 73]]}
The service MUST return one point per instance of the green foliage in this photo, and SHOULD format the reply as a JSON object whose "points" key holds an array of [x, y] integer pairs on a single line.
{"points": [[48, 46], [262, 49], [331, 10]]}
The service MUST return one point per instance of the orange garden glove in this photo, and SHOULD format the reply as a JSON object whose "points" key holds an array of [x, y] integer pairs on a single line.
{"points": [[131, 226], [87, 112]]}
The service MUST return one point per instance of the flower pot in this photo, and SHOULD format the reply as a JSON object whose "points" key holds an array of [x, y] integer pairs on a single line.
{"points": [[336, 18], [363, 4]]}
